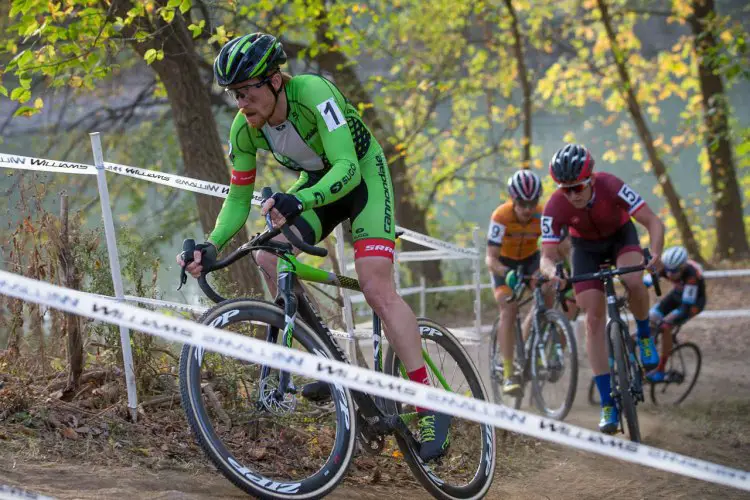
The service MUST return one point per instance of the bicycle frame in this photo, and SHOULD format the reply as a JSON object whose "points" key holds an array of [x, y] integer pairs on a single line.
{"points": [[613, 312], [289, 271], [523, 348]]}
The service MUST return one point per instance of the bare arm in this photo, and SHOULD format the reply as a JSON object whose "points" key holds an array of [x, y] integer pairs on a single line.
{"points": [[564, 248], [550, 256], [648, 219], [492, 259]]}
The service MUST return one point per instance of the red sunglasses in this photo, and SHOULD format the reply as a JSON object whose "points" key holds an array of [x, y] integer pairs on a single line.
{"points": [[575, 188]]}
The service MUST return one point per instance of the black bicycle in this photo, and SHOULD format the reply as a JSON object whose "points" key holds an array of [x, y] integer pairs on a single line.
{"points": [[625, 369], [548, 358], [680, 373], [275, 434]]}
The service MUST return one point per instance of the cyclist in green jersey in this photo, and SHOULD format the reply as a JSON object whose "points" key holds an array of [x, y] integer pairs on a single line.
{"points": [[310, 127]]}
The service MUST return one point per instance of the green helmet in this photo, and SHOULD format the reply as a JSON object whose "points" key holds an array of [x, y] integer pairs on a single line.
{"points": [[248, 57]]}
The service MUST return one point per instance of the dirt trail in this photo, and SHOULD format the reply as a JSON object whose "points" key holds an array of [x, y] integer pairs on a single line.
{"points": [[714, 424]]}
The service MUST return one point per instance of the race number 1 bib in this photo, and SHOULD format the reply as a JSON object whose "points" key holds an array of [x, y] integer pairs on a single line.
{"points": [[331, 113]]}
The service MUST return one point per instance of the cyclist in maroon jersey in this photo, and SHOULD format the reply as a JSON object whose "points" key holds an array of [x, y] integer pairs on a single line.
{"points": [[597, 208]]}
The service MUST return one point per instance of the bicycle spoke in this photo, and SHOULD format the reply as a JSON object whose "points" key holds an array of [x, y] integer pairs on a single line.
{"points": [[681, 373], [248, 417], [461, 468]]}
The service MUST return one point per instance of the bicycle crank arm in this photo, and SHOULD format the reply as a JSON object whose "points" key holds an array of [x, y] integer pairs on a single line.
{"points": [[398, 425]]}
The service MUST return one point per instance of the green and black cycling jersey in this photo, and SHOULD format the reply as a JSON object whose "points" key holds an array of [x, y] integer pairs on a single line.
{"points": [[341, 165]]}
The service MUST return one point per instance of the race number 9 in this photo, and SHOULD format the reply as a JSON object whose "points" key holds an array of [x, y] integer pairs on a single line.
{"points": [[331, 113], [496, 233]]}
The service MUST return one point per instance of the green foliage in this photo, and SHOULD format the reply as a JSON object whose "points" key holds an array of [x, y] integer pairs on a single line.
{"points": [[447, 93]]}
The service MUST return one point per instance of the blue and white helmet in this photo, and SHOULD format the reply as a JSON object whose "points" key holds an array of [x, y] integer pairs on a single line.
{"points": [[674, 257]]}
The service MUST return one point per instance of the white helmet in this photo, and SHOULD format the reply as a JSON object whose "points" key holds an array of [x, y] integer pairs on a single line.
{"points": [[674, 257], [525, 185]]}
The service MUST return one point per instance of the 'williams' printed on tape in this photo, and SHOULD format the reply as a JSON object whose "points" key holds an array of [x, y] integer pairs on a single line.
{"points": [[365, 380]]}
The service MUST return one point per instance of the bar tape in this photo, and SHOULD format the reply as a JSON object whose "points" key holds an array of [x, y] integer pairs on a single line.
{"points": [[365, 380]]}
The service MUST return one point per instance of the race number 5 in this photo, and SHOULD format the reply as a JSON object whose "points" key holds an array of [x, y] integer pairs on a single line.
{"points": [[331, 113], [629, 195], [547, 227]]}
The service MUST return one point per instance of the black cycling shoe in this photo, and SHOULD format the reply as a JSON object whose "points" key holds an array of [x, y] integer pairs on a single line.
{"points": [[434, 435]]}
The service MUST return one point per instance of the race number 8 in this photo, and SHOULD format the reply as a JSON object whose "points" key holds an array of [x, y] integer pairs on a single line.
{"points": [[331, 113]]}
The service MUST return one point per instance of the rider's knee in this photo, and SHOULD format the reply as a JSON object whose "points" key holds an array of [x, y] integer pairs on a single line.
{"points": [[595, 319], [379, 295], [634, 283]]}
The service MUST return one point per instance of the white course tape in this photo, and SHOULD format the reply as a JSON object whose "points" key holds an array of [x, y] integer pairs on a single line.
{"points": [[435, 243], [361, 379], [40, 164], [167, 305], [425, 255], [190, 184], [172, 180], [13, 493], [729, 273], [719, 313]]}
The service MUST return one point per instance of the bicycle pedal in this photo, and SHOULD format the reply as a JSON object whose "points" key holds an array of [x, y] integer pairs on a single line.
{"points": [[674, 378]]}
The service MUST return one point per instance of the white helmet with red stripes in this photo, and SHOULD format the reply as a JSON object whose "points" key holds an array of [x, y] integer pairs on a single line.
{"points": [[525, 185]]}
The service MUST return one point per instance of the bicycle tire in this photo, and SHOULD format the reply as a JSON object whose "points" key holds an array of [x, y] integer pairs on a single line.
{"points": [[622, 372], [657, 387], [253, 482], [496, 379], [557, 318], [482, 480]]}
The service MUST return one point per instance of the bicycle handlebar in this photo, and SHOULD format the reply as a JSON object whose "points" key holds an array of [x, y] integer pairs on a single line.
{"points": [[525, 280], [260, 241], [605, 274], [295, 240]]}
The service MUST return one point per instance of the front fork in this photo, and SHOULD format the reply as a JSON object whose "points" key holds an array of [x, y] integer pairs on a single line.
{"points": [[286, 298], [636, 382]]}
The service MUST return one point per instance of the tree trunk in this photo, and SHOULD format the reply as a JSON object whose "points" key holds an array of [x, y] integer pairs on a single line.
{"points": [[523, 75], [730, 226], [70, 279], [190, 102], [659, 169], [15, 330]]}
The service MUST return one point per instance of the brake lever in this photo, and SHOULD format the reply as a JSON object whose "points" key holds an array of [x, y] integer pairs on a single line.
{"points": [[188, 247], [560, 298], [266, 193]]}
